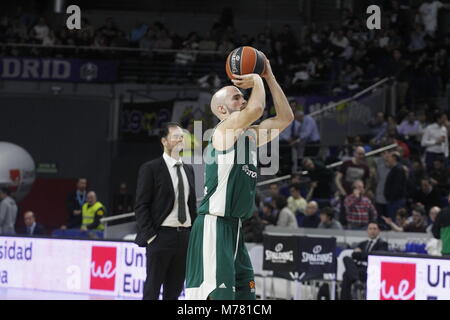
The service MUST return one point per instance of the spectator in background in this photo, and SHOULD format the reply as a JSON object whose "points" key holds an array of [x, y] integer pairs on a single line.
{"points": [[310, 218], [429, 14], [269, 215], [163, 41], [401, 218], [109, 30], [292, 132], [138, 32], [225, 46], [416, 174], [352, 170], [123, 201], [418, 223], [40, 31], [92, 212], [327, 220], [286, 190], [359, 209], [427, 195], [410, 127], [356, 265], [286, 218], [378, 127], [395, 185], [75, 201], [210, 81], [309, 135], [274, 192], [435, 140], [381, 172], [322, 177], [148, 42], [432, 215], [8, 212], [32, 228], [439, 176], [441, 229], [296, 203]]}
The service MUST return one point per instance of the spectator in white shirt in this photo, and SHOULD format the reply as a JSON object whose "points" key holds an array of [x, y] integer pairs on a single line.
{"points": [[429, 14], [286, 218], [435, 140], [40, 30]]}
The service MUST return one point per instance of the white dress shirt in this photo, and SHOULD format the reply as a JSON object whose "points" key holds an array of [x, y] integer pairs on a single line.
{"points": [[430, 137], [172, 218]]}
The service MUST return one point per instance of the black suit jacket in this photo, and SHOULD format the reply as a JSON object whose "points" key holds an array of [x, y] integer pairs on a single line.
{"points": [[155, 198], [361, 257], [38, 230], [395, 185]]}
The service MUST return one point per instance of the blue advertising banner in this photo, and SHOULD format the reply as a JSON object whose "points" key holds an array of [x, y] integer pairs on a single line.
{"points": [[49, 69]]}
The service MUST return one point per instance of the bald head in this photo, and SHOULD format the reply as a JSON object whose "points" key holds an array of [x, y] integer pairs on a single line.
{"points": [[91, 197], [360, 154], [226, 101]]}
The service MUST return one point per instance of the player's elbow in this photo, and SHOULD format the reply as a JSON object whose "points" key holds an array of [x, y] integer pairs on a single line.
{"points": [[289, 117]]}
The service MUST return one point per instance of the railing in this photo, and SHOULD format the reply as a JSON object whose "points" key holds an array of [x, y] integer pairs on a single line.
{"points": [[124, 49], [330, 166]]}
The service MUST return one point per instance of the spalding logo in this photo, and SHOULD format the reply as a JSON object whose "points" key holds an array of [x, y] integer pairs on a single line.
{"points": [[317, 249], [279, 247]]}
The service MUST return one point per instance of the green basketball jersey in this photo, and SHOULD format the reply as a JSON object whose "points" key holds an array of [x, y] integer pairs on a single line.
{"points": [[230, 179]]}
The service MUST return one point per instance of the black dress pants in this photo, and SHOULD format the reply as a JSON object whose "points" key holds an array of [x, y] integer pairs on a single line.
{"points": [[352, 274], [166, 264]]}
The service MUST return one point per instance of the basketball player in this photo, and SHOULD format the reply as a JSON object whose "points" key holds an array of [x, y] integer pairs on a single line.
{"points": [[218, 264]]}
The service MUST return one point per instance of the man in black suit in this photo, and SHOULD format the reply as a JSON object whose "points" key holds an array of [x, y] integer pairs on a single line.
{"points": [[75, 201], [356, 266], [32, 228], [165, 210]]}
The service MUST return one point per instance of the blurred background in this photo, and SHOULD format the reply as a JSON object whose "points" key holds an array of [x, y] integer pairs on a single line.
{"points": [[81, 109]]}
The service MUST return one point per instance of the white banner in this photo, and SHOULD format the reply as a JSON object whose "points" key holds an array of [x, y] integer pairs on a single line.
{"points": [[75, 266], [408, 278]]}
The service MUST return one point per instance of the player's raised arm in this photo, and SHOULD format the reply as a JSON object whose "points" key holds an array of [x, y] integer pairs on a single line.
{"points": [[284, 115]]}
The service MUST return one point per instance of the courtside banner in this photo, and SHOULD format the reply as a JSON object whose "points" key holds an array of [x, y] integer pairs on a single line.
{"points": [[317, 257], [75, 266], [49, 69], [280, 253], [408, 278]]}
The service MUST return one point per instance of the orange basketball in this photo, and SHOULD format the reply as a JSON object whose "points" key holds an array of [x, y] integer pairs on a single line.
{"points": [[245, 60]]}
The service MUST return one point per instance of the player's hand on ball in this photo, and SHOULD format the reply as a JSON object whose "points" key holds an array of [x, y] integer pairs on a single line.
{"points": [[245, 81], [268, 69]]}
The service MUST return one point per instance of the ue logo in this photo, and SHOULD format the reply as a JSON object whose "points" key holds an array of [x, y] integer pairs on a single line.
{"points": [[103, 268], [398, 281]]}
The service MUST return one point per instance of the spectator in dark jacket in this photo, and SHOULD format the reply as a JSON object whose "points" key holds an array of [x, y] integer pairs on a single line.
{"points": [[427, 195], [311, 217], [75, 201], [319, 173], [395, 186], [31, 228]]}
